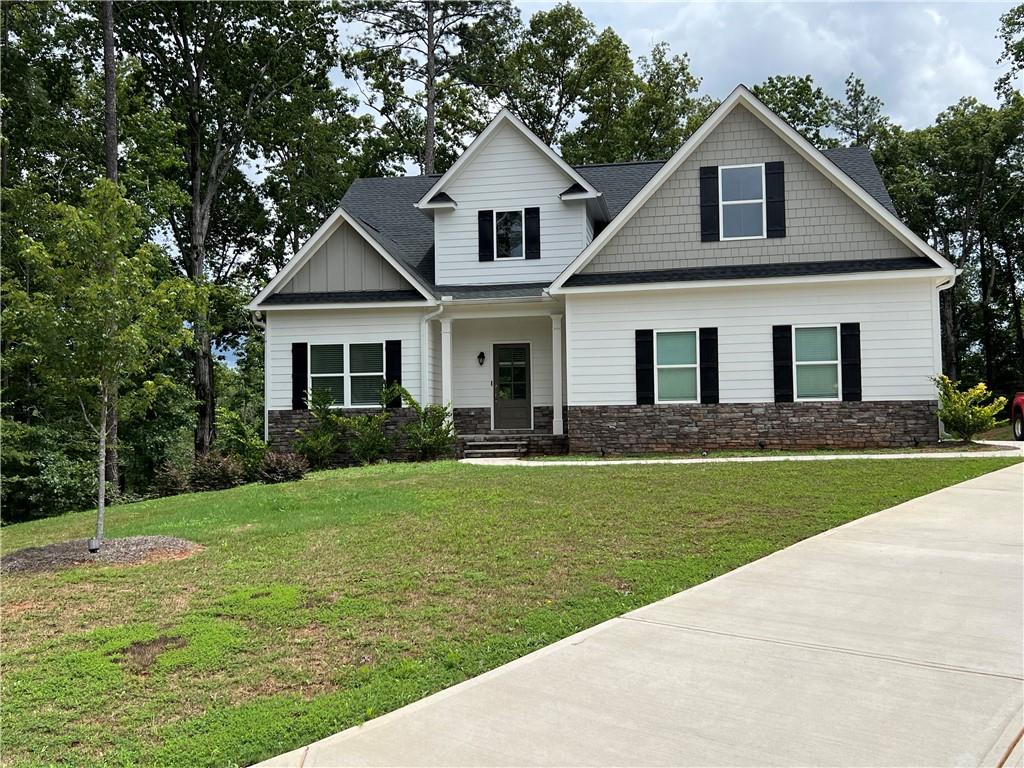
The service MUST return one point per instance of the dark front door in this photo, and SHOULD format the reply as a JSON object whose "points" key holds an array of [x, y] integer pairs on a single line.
{"points": [[511, 386]]}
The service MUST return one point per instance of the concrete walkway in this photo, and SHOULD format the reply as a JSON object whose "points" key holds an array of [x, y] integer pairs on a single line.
{"points": [[1000, 448], [894, 640]]}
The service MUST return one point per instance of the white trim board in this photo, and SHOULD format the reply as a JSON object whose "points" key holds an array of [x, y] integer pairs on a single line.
{"points": [[312, 245], [742, 96], [481, 141]]}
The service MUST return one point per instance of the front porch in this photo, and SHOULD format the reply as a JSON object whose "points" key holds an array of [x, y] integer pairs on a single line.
{"points": [[501, 367]]}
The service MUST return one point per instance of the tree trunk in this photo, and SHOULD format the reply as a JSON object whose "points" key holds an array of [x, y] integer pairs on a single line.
{"points": [[101, 496], [202, 373], [431, 117], [110, 147], [948, 322], [986, 275], [1015, 311], [109, 90]]}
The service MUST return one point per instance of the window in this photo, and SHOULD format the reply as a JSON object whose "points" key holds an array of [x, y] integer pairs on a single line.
{"points": [[816, 363], [741, 201], [358, 384], [675, 358], [508, 235]]}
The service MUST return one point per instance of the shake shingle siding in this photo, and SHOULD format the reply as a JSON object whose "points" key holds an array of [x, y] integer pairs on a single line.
{"points": [[822, 222]]}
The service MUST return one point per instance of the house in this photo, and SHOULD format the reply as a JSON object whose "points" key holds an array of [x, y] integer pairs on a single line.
{"points": [[749, 291]]}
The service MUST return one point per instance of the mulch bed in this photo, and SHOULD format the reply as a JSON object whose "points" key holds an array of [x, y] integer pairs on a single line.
{"points": [[133, 550]]}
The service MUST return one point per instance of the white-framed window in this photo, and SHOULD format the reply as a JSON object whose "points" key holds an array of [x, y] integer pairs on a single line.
{"points": [[817, 374], [509, 238], [741, 208], [353, 374], [676, 374]]}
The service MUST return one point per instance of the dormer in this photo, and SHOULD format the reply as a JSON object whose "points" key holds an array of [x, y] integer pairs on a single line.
{"points": [[510, 210]]}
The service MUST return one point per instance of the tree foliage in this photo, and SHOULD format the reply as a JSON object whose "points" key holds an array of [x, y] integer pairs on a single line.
{"points": [[802, 104]]}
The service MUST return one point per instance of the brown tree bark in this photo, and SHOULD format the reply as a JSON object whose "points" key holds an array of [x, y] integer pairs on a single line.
{"points": [[986, 276], [947, 307], [431, 106]]}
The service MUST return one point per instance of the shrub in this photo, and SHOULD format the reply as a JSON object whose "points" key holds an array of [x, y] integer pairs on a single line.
{"points": [[432, 435], [214, 472], [282, 467], [240, 440], [169, 480], [319, 444], [365, 437], [963, 411]]}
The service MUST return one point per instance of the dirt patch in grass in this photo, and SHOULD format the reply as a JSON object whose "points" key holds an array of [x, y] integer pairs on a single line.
{"points": [[133, 550], [139, 657]]}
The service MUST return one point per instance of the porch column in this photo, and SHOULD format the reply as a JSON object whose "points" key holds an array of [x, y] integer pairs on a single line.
{"points": [[556, 375], [446, 361]]}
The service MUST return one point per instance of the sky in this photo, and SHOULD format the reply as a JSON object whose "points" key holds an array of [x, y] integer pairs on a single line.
{"points": [[919, 57]]}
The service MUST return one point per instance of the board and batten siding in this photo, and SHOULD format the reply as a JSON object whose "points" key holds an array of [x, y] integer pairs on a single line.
{"points": [[898, 332], [507, 174], [822, 222], [346, 262], [327, 326]]}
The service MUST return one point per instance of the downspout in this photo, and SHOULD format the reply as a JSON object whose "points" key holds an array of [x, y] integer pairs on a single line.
{"points": [[424, 352]]}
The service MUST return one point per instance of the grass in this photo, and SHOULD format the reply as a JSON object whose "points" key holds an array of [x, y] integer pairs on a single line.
{"points": [[319, 604], [947, 446], [1002, 432]]}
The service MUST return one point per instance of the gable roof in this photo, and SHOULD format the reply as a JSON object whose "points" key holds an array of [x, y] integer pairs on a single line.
{"points": [[431, 200], [857, 163], [829, 167]]}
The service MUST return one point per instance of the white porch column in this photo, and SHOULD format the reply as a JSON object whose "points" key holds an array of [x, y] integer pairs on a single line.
{"points": [[446, 361], [556, 375]]}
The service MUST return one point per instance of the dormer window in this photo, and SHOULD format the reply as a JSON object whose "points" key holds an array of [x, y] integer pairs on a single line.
{"points": [[508, 234], [741, 201]]}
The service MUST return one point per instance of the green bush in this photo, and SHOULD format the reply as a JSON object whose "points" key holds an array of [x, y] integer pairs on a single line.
{"points": [[963, 412], [215, 472], [365, 438], [319, 444], [240, 440], [282, 467], [432, 434]]}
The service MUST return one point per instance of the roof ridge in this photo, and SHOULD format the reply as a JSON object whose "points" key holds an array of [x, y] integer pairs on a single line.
{"points": [[622, 162]]}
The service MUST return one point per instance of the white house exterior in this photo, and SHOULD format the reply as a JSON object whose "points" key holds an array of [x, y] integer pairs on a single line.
{"points": [[751, 290]]}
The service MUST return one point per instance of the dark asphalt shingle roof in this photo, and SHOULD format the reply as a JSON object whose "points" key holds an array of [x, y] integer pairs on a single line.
{"points": [[327, 297], [386, 206], [735, 272]]}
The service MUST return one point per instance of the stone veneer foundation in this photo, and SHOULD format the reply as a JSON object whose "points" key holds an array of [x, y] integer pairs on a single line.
{"points": [[661, 428], [282, 427]]}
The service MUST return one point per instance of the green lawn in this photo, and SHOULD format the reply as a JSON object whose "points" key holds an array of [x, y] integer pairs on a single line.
{"points": [[316, 605], [946, 446]]}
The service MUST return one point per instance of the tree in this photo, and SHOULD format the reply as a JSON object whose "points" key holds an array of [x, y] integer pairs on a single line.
{"points": [[542, 70], [859, 118], [1011, 32], [802, 104], [228, 75], [97, 315], [630, 115], [409, 55]]}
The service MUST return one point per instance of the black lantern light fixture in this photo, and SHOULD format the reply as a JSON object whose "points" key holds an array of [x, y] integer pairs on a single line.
{"points": [[480, 358]]}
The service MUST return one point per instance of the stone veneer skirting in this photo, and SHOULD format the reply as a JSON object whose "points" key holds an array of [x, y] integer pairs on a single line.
{"points": [[661, 428], [477, 421], [282, 427]]}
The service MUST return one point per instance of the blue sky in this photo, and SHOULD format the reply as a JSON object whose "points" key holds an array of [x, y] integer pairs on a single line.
{"points": [[918, 57]]}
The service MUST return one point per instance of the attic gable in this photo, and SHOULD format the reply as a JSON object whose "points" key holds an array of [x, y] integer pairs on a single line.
{"points": [[510, 129]]}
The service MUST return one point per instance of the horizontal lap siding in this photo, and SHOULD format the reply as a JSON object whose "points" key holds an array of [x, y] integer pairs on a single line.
{"points": [[508, 173], [334, 327], [895, 316], [472, 381]]}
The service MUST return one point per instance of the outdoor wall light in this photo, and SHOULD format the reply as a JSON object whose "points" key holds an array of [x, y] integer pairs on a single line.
{"points": [[480, 358]]}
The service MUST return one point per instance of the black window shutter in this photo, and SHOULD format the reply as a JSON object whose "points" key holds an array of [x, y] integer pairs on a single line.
{"points": [[709, 203], [708, 365], [300, 375], [393, 368], [782, 353], [485, 225], [644, 367], [849, 344], [775, 199], [531, 233]]}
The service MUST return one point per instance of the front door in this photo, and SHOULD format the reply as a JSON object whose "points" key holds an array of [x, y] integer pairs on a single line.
{"points": [[512, 386]]}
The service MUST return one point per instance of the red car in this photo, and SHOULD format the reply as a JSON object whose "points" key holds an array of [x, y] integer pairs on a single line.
{"points": [[1017, 416]]}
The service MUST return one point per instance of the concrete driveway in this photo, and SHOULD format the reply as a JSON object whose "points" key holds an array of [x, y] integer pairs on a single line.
{"points": [[895, 640]]}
